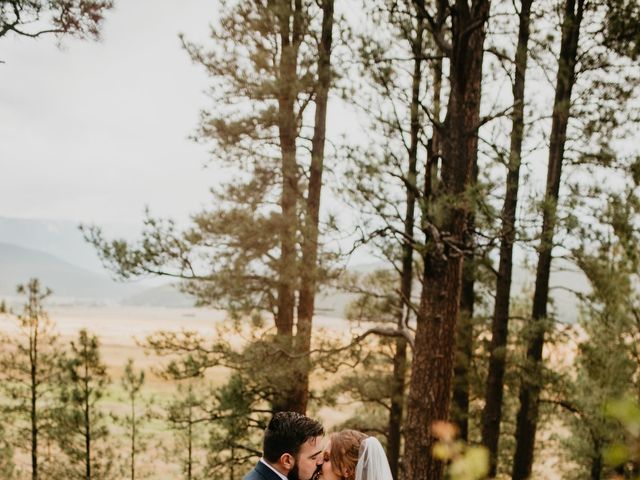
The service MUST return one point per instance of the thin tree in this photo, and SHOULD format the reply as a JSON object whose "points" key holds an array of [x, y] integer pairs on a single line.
{"points": [[82, 429], [29, 369], [529, 395], [310, 270], [492, 412], [184, 419], [132, 383]]}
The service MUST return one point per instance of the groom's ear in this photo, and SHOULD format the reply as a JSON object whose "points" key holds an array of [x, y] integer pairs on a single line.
{"points": [[287, 461]]}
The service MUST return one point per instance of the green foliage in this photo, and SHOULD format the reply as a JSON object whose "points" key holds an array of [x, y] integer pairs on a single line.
{"points": [[622, 32], [607, 364], [235, 441], [29, 376], [184, 416], [465, 462], [135, 420], [625, 455], [7, 464], [82, 430]]}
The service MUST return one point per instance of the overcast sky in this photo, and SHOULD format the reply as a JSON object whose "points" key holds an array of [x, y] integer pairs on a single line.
{"points": [[95, 131]]}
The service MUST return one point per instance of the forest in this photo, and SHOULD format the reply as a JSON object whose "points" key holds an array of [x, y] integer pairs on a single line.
{"points": [[483, 153]]}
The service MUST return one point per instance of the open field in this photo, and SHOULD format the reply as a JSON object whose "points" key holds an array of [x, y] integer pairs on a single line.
{"points": [[121, 328]]}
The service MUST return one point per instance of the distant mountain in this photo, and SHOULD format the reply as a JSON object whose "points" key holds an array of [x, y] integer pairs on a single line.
{"points": [[55, 252], [60, 238], [19, 264]]}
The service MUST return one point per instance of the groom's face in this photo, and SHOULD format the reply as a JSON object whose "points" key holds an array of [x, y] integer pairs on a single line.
{"points": [[306, 460]]}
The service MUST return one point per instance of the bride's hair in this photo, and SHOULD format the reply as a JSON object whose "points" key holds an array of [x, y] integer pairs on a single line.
{"points": [[345, 449]]}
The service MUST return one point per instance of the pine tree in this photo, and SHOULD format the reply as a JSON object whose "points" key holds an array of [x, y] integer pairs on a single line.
{"points": [[445, 214], [268, 62], [185, 419], [138, 415], [7, 464], [82, 430], [492, 412], [30, 373], [607, 365]]}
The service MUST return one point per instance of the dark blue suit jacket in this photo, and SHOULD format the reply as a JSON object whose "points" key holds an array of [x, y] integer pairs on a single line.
{"points": [[261, 472]]}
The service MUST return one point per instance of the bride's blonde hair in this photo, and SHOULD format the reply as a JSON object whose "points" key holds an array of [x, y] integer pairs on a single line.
{"points": [[345, 448]]}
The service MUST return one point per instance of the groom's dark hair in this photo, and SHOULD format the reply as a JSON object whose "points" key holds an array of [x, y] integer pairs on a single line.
{"points": [[286, 433]]}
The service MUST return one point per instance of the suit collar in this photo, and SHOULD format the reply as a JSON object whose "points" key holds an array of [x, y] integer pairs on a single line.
{"points": [[267, 472]]}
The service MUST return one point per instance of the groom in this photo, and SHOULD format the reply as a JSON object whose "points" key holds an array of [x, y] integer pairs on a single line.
{"points": [[291, 448]]}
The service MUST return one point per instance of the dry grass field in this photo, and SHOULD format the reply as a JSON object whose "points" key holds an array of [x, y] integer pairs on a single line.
{"points": [[121, 328]]}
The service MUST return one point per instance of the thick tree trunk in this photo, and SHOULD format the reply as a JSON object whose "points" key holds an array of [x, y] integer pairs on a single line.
{"points": [[492, 413], [309, 268], [406, 275], [432, 370], [530, 387], [289, 18], [289, 196]]}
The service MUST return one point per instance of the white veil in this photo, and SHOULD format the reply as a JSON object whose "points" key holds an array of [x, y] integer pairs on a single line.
{"points": [[372, 461]]}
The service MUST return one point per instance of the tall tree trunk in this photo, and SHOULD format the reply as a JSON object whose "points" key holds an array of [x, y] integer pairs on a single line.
{"points": [[287, 126], [288, 133], [133, 438], [433, 358], [530, 387], [309, 268], [464, 348], [406, 275], [464, 330], [492, 412], [33, 354], [87, 417]]}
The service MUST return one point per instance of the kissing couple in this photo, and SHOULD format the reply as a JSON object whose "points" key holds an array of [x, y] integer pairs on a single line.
{"points": [[295, 448]]}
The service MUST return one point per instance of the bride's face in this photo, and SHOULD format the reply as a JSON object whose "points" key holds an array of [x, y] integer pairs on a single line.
{"points": [[327, 470]]}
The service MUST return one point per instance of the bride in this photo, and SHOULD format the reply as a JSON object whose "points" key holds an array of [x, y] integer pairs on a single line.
{"points": [[352, 455]]}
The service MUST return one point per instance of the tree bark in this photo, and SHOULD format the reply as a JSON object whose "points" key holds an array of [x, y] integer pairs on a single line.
{"points": [[309, 270], [432, 371], [527, 419], [87, 416], [33, 354], [288, 133], [464, 349], [406, 275], [492, 412], [289, 18]]}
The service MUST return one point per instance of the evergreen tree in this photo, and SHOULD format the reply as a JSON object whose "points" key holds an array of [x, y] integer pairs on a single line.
{"points": [[492, 412], [136, 418], [608, 257], [445, 214], [82, 430], [7, 465], [268, 62], [185, 419], [30, 374]]}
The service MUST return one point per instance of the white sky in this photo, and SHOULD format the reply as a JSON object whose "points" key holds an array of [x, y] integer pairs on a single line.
{"points": [[93, 132]]}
